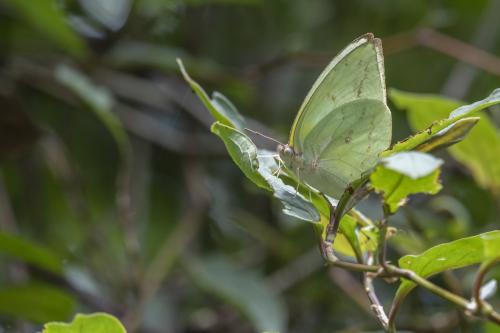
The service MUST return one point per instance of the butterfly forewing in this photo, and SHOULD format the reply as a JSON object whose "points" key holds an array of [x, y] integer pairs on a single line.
{"points": [[344, 122], [357, 72]]}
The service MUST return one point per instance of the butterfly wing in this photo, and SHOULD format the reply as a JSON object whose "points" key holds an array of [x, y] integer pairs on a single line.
{"points": [[345, 144], [357, 72], [344, 122]]}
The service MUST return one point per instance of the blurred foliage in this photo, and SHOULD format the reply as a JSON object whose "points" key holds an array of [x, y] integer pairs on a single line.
{"points": [[115, 196], [93, 323]]}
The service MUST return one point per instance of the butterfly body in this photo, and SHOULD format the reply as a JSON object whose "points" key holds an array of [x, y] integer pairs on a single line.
{"points": [[344, 122]]}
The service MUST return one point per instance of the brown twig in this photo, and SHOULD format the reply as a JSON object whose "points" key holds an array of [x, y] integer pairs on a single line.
{"points": [[478, 282], [382, 242], [459, 50], [376, 306], [424, 37], [462, 75]]}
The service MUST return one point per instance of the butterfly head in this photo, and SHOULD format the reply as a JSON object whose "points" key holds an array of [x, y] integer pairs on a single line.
{"points": [[286, 153]]}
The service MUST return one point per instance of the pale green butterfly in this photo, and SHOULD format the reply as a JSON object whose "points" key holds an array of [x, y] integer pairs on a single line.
{"points": [[344, 122]]}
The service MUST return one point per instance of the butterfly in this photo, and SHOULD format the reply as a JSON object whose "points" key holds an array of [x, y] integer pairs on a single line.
{"points": [[344, 122]]}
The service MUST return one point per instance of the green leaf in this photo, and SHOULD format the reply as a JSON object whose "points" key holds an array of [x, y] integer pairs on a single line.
{"points": [[293, 198], [87, 323], [457, 254], [466, 110], [98, 99], [403, 174], [246, 290], [45, 16], [478, 152], [438, 108], [227, 108], [219, 106], [36, 302], [30, 253], [490, 327], [423, 109], [449, 136], [243, 152], [261, 171]]}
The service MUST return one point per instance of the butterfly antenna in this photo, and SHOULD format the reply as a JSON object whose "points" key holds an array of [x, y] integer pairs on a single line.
{"points": [[262, 135]]}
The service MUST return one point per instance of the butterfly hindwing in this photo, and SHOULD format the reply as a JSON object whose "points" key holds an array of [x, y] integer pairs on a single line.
{"points": [[345, 144]]}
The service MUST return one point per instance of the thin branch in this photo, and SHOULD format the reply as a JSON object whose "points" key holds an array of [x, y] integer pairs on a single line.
{"points": [[376, 306], [382, 242], [478, 283], [352, 195], [355, 267], [397, 43], [459, 50], [485, 37], [486, 311]]}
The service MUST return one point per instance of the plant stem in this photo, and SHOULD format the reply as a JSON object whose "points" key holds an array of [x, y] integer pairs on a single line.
{"points": [[376, 306], [382, 241], [393, 271], [478, 283], [356, 267]]}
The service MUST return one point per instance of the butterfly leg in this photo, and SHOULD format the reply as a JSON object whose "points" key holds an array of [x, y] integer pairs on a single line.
{"points": [[298, 182], [278, 171]]}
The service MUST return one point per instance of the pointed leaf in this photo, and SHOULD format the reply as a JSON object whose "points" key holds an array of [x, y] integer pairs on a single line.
{"points": [[457, 254], [227, 108], [464, 111], [91, 323], [219, 106], [435, 107], [449, 136]]}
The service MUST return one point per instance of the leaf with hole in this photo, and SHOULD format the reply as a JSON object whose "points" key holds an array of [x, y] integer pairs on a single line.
{"points": [[403, 174]]}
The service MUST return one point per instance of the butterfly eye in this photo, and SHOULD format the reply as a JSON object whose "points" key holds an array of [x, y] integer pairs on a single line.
{"points": [[288, 151]]}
